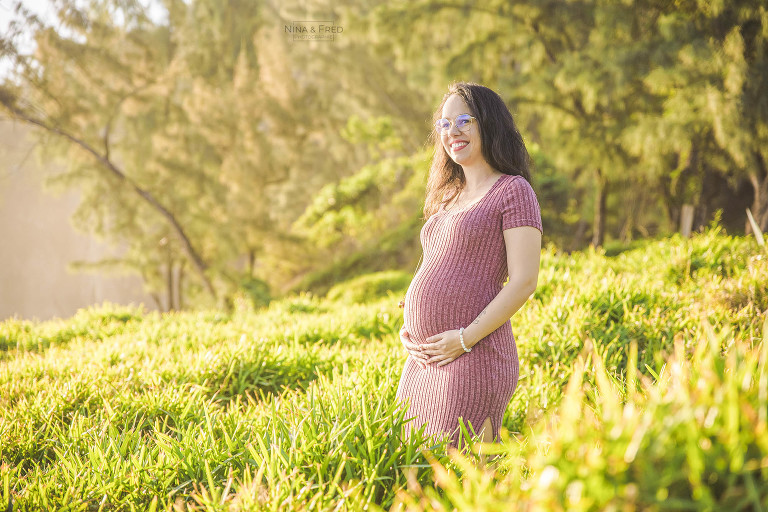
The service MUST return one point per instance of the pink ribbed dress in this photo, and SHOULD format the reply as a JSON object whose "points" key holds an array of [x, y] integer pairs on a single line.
{"points": [[464, 267]]}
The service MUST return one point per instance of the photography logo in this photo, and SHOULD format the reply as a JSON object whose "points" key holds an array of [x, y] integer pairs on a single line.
{"points": [[313, 30]]}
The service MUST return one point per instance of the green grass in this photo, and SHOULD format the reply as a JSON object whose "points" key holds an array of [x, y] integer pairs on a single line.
{"points": [[643, 384]]}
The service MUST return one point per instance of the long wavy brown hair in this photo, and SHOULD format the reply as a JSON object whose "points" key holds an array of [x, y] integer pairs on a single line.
{"points": [[502, 145]]}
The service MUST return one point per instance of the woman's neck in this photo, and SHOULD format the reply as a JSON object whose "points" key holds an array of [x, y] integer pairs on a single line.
{"points": [[476, 176]]}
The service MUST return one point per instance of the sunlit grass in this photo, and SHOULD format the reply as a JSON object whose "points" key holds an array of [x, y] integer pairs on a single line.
{"points": [[642, 385]]}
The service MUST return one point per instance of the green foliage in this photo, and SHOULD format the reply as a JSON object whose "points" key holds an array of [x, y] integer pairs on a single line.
{"points": [[297, 157], [365, 223], [386, 252], [693, 438], [649, 105], [97, 322], [642, 385], [197, 137], [560, 210], [257, 290], [353, 207], [377, 133], [370, 286]]}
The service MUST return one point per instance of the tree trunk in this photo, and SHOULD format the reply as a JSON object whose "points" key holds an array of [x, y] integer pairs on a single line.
{"points": [[628, 226], [760, 195], [169, 278], [180, 286], [673, 190], [578, 236], [709, 193], [156, 299], [686, 220], [598, 222], [251, 262]]}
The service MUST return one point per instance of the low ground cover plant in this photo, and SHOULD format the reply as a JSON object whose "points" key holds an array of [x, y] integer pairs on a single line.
{"points": [[643, 385]]}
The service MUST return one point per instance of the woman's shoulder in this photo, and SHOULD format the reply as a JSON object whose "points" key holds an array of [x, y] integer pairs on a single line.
{"points": [[518, 203], [515, 180], [515, 185]]}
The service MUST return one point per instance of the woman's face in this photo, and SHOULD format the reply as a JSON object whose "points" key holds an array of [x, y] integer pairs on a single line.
{"points": [[463, 147]]}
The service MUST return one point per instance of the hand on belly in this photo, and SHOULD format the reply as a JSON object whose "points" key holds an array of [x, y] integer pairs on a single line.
{"points": [[442, 348]]}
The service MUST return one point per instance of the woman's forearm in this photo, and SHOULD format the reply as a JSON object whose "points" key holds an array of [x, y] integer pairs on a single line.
{"points": [[506, 303]]}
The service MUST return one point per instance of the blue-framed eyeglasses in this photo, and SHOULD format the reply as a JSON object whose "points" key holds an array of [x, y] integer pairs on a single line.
{"points": [[462, 122]]}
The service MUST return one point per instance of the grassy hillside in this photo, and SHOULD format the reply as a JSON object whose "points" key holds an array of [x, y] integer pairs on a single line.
{"points": [[643, 384]]}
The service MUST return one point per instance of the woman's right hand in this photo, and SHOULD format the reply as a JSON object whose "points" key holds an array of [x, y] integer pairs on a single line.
{"points": [[413, 349]]}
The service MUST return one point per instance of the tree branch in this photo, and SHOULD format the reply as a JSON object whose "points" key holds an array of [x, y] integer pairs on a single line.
{"points": [[7, 100]]}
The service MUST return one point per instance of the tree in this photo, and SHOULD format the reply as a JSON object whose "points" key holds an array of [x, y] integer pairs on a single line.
{"points": [[558, 60], [208, 118], [711, 73], [78, 89], [619, 95]]}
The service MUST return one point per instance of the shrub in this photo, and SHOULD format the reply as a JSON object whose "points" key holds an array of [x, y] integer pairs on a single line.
{"points": [[370, 287]]}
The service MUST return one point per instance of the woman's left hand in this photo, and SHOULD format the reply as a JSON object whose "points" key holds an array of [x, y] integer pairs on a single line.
{"points": [[443, 348]]}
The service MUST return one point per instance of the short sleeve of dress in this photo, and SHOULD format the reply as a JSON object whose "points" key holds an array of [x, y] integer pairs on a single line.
{"points": [[519, 206]]}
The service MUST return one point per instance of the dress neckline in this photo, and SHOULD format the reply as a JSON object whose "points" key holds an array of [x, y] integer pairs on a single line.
{"points": [[472, 205]]}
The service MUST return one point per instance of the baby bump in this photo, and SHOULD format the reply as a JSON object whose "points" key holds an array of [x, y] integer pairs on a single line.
{"points": [[435, 303]]}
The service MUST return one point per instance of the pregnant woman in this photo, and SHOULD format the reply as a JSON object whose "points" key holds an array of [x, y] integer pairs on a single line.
{"points": [[483, 224]]}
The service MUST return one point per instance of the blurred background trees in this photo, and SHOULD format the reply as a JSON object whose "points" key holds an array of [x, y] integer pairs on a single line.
{"points": [[235, 161]]}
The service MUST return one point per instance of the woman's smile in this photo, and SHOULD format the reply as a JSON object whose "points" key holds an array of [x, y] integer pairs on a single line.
{"points": [[458, 145]]}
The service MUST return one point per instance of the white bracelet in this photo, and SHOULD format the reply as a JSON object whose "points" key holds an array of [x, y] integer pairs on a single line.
{"points": [[461, 338]]}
